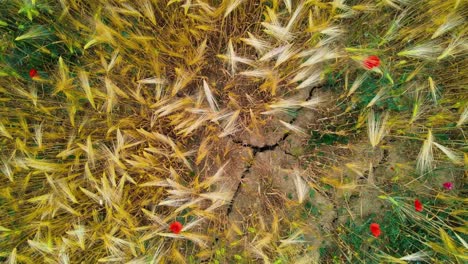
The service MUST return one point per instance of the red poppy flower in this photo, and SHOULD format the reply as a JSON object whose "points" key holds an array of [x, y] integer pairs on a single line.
{"points": [[176, 227], [448, 185], [375, 229], [33, 73], [371, 62], [418, 205]]}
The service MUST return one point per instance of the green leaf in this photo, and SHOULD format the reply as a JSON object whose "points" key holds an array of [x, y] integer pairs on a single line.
{"points": [[4, 229], [3, 73], [389, 78], [30, 11]]}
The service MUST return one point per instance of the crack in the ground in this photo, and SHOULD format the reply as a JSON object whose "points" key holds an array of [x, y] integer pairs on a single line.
{"points": [[231, 204], [286, 134], [257, 149], [289, 154]]}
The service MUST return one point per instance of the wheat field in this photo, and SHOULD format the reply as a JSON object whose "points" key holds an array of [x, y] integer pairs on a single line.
{"points": [[233, 131]]}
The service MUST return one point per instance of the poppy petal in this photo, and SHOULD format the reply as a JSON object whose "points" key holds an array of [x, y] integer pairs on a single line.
{"points": [[371, 62], [418, 206], [375, 229]]}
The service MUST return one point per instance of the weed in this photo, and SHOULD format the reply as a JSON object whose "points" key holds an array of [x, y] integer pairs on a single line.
{"points": [[318, 139]]}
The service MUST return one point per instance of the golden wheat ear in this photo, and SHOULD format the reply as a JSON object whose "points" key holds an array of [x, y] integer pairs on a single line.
{"points": [[428, 51], [232, 59], [232, 4], [302, 188], [376, 127], [425, 157], [293, 128], [357, 83], [260, 45], [463, 117], [209, 97], [451, 21], [397, 4], [452, 155]]}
